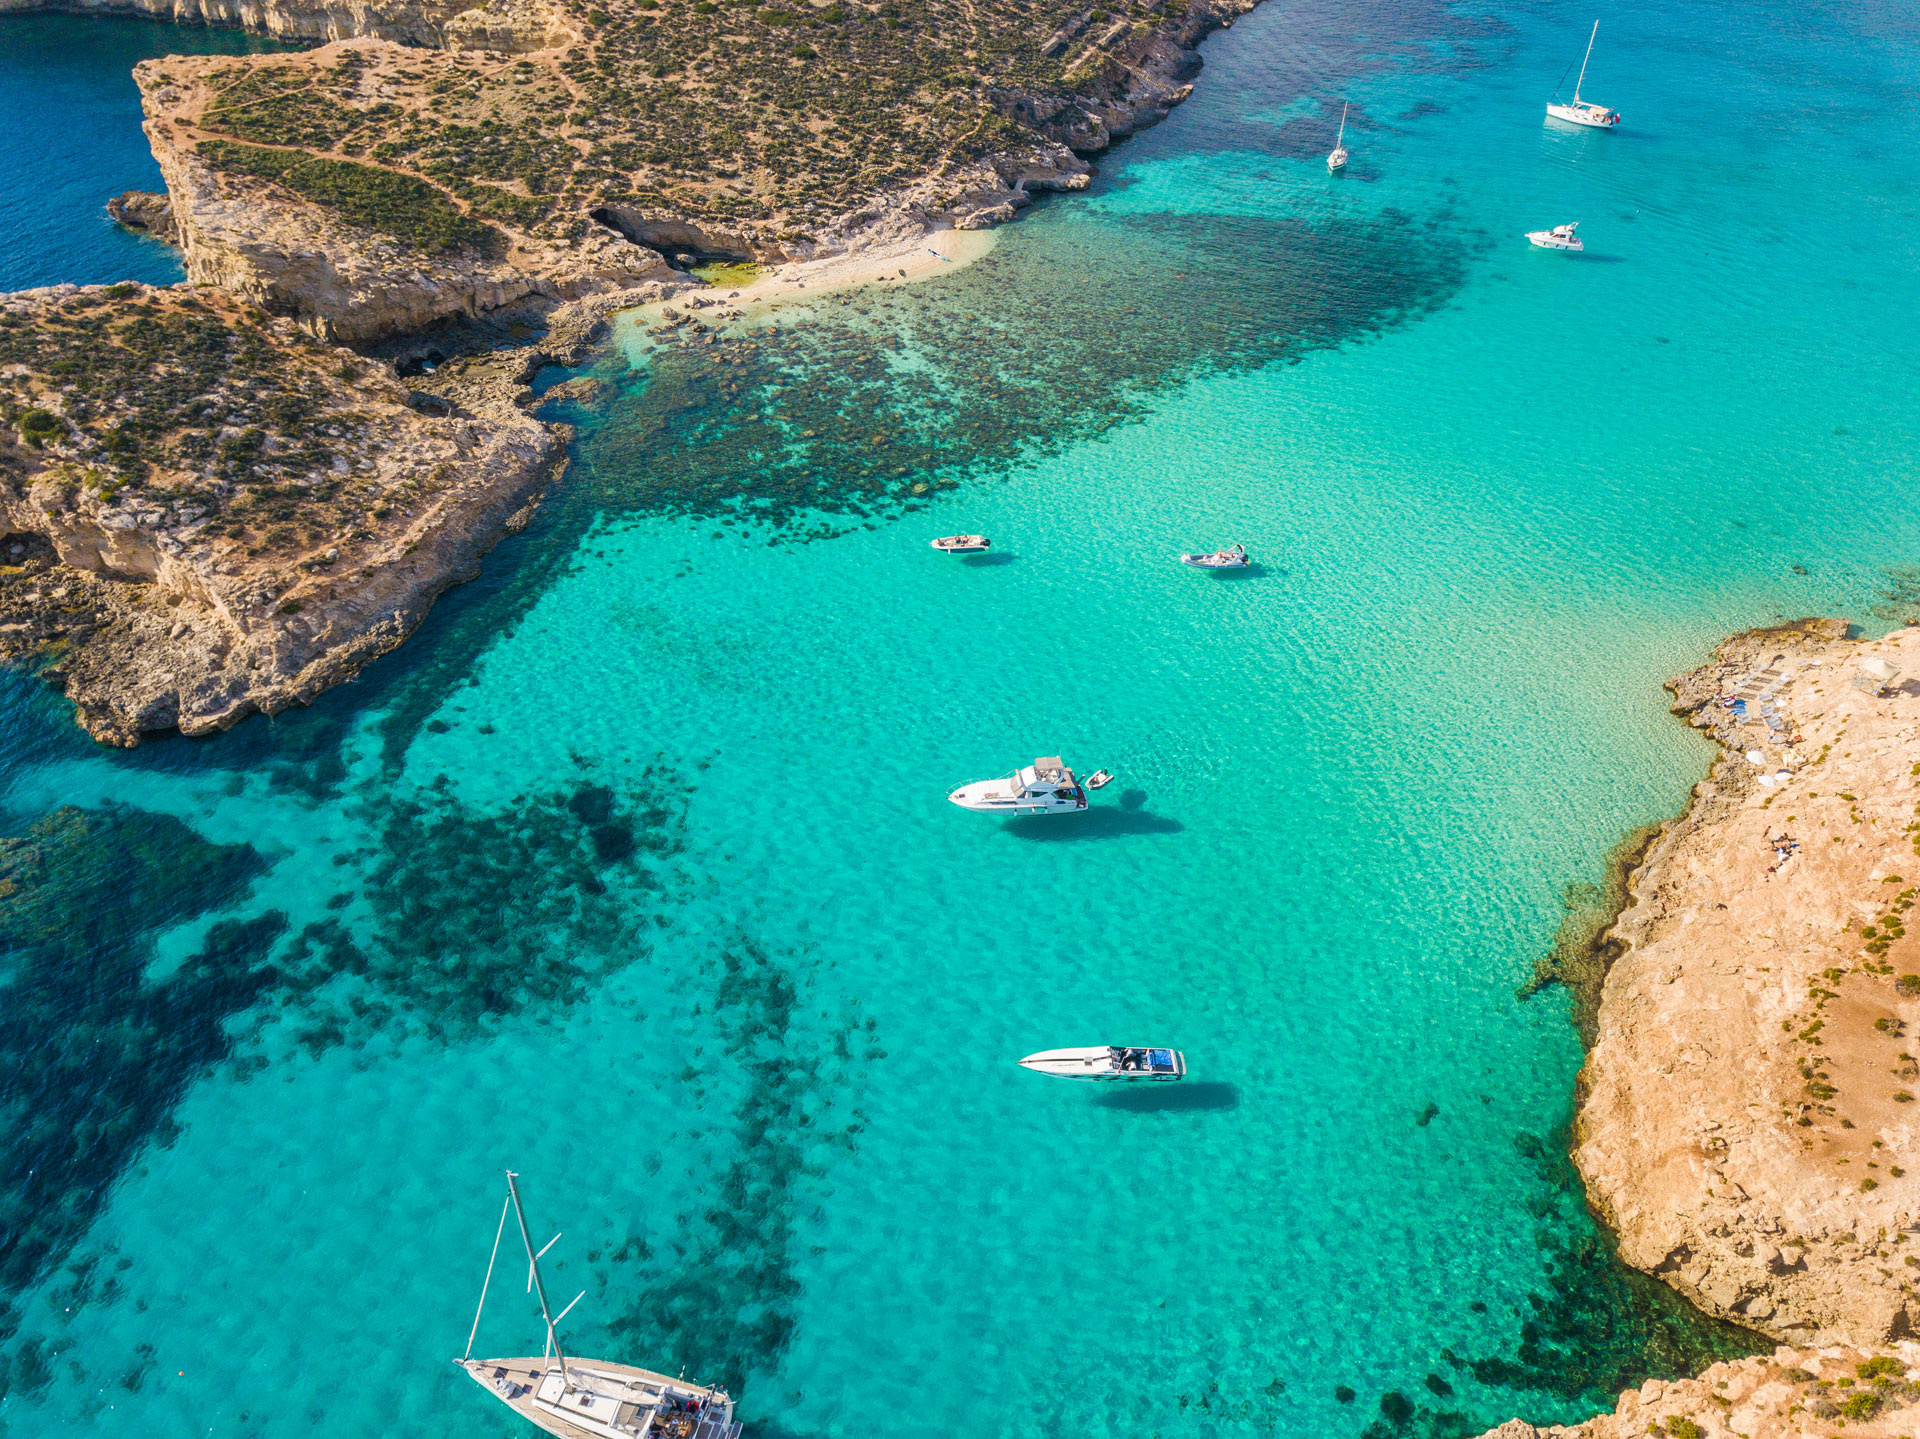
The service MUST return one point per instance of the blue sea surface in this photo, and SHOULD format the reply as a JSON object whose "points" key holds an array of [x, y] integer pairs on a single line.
{"points": [[633, 870], [70, 113]]}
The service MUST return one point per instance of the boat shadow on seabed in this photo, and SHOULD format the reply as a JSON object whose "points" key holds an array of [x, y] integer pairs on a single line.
{"points": [[1187, 1098], [1099, 822]]}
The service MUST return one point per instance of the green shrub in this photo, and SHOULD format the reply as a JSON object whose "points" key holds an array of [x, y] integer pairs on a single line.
{"points": [[1863, 1405], [1880, 1366], [39, 426], [1908, 984], [1681, 1427], [408, 209]]}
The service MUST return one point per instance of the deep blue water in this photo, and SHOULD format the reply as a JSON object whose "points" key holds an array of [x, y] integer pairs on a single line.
{"points": [[633, 869], [71, 115]]}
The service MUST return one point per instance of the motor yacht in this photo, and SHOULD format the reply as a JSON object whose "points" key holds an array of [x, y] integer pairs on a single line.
{"points": [[1108, 1061], [1560, 237], [1234, 557], [1046, 786], [962, 544]]}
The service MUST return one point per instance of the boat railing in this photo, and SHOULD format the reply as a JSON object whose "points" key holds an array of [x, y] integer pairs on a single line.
{"points": [[715, 1426]]}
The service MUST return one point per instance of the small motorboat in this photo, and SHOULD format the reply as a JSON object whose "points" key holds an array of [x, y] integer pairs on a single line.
{"points": [[1560, 237], [962, 544], [1046, 786], [1108, 1061], [1232, 558], [1099, 779]]}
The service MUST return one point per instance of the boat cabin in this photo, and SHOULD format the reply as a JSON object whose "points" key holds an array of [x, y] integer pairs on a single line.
{"points": [[1144, 1061], [1047, 776]]}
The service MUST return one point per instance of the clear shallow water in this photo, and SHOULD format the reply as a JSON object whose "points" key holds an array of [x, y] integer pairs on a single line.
{"points": [[71, 112], [633, 871]]}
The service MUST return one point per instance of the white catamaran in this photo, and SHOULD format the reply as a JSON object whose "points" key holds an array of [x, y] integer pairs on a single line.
{"points": [[589, 1398], [1583, 112]]}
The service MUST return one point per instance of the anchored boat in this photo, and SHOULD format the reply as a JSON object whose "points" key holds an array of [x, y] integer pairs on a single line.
{"points": [[589, 1398], [1337, 161], [1234, 557], [1583, 112], [962, 544], [1108, 1061], [1046, 786], [1560, 237]]}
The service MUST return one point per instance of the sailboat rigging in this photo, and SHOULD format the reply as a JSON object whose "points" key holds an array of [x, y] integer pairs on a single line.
{"points": [[1582, 112], [588, 1398], [1337, 161]]}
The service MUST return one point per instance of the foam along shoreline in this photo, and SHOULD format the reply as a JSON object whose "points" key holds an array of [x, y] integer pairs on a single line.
{"points": [[1746, 1114]]}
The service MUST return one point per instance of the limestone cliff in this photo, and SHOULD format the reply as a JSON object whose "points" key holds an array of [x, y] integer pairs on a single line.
{"points": [[1746, 1117], [1790, 1394], [1747, 1124], [170, 562]]}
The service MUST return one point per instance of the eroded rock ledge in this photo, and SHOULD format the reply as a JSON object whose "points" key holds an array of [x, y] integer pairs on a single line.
{"points": [[1747, 1112], [205, 512]]}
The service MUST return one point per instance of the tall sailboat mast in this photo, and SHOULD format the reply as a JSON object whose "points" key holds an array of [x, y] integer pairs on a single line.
{"points": [[1342, 139], [1583, 63], [533, 1267]]}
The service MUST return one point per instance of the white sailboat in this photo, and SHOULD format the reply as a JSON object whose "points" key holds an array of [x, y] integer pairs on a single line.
{"points": [[589, 1398], [1337, 161], [1583, 112]]}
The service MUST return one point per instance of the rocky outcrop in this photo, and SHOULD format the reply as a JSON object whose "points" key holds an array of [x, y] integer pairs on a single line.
{"points": [[1746, 1110], [1747, 1121], [345, 283], [176, 592], [1790, 1394], [1129, 75], [146, 212]]}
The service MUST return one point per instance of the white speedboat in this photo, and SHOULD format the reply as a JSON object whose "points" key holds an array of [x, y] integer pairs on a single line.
{"points": [[1583, 112], [589, 1398], [1560, 237], [1337, 160], [962, 544], [1046, 786], [1108, 1061], [1234, 557]]}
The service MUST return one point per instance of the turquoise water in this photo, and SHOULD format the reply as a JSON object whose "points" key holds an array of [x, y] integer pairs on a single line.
{"points": [[633, 869], [71, 112]]}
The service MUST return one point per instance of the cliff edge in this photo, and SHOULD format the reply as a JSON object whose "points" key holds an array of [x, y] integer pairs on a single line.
{"points": [[1747, 1112]]}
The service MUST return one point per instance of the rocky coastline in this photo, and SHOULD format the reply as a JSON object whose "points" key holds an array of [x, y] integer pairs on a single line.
{"points": [[1745, 1114], [176, 555]]}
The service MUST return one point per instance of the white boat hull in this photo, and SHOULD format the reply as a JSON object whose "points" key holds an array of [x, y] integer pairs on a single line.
{"points": [[1337, 161], [988, 797], [620, 1392], [1098, 1063], [1594, 117], [1046, 786], [1547, 240]]}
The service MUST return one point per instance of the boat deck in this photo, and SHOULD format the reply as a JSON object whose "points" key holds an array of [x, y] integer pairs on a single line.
{"points": [[515, 1382]]}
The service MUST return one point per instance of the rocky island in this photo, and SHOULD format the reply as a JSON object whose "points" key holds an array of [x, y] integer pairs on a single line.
{"points": [[1746, 1117], [222, 498]]}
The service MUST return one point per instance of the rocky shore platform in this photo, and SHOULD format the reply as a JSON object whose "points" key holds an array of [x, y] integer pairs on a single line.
{"points": [[205, 512], [1747, 1112]]}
